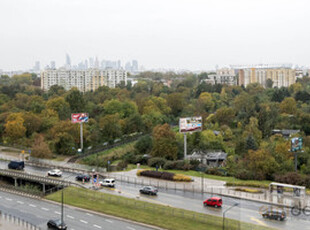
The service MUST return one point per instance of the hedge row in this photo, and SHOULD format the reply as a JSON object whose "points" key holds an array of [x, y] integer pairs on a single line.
{"points": [[164, 175]]}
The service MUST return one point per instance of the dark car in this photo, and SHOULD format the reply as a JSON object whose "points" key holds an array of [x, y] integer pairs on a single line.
{"points": [[56, 224], [213, 201], [149, 190], [19, 165], [274, 215], [81, 176]]}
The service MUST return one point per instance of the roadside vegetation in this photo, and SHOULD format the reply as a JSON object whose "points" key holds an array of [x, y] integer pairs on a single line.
{"points": [[144, 212], [237, 120]]}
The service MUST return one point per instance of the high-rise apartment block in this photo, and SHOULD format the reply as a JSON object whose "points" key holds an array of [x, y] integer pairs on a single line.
{"points": [[84, 80], [281, 77]]}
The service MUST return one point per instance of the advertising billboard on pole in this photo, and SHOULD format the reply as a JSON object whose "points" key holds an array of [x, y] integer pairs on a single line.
{"points": [[296, 144], [79, 117], [190, 124]]}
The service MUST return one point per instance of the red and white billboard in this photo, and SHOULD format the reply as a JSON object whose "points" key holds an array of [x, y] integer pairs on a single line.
{"points": [[79, 117]]}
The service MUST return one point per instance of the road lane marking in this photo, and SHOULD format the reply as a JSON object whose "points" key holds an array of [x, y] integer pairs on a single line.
{"points": [[110, 221], [130, 228], [259, 221], [96, 226], [32, 205], [89, 214], [9, 199], [45, 209], [83, 221], [71, 217], [57, 212], [20, 202]]}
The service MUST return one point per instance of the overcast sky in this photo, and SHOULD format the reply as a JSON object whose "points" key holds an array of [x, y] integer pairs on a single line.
{"points": [[183, 34]]}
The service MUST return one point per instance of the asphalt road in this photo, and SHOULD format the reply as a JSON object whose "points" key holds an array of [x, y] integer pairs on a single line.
{"points": [[247, 211], [38, 212]]}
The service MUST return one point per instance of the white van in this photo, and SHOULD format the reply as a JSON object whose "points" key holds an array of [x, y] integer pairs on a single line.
{"points": [[108, 183]]}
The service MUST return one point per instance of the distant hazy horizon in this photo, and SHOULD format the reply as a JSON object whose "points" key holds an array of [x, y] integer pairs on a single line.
{"points": [[170, 34]]}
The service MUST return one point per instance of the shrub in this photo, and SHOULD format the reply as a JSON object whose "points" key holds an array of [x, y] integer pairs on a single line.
{"points": [[216, 171], [121, 165], [249, 190], [164, 175], [291, 178], [156, 161], [169, 165], [180, 177]]}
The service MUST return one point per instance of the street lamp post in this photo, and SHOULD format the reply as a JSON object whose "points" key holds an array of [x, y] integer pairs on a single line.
{"points": [[224, 212], [62, 206]]}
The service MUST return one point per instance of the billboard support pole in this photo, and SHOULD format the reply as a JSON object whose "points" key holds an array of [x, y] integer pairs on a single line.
{"points": [[81, 134], [185, 146]]}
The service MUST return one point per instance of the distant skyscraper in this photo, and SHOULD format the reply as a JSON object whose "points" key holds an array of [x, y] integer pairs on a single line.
{"points": [[128, 67], [37, 66], [135, 66], [91, 63], [68, 61], [96, 63], [53, 65], [86, 64]]}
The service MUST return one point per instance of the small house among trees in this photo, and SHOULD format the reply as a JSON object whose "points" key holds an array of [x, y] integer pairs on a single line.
{"points": [[212, 159]]}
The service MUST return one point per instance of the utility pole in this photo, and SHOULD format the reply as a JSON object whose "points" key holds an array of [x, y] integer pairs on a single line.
{"points": [[81, 135], [62, 206], [185, 146], [236, 204]]}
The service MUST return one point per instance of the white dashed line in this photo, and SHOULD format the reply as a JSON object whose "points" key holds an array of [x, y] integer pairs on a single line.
{"points": [[32, 205], [130, 228], [71, 217], [89, 214], [20, 202], [83, 221], [9, 199], [110, 221], [97, 226], [57, 212], [45, 209]]}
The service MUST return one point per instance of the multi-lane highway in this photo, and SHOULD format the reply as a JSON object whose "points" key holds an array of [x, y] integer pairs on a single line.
{"points": [[247, 211], [38, 212]]}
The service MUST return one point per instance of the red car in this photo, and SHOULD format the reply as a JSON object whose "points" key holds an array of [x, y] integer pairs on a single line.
{"points": [[213, 201]]}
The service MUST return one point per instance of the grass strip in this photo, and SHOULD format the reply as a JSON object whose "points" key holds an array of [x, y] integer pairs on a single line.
{"points": [[144, 212]]}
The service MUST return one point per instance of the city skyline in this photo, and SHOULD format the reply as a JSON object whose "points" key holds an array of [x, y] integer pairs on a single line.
{"points": [[175, 34]]}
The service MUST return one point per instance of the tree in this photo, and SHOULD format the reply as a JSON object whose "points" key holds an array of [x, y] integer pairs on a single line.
{"points": [[32, 122], [40, 148], [225, 116], [14, 127], [76, 100], [144, 145], [252, 129], [209, 141], [288, 106], [205, 101], [110, 127], [59, 105], [176, 102], [164, 142], [269, 83], [64, 144]]}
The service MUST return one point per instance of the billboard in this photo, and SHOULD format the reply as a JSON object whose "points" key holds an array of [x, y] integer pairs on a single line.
{"points": [[79, 117], [190, 124], [296, 144]]}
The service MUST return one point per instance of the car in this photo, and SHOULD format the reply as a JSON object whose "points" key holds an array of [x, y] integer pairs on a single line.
{"points": [[54, 172], [274, 215], [149, 190], [18, 165], [213, 201], [56, 224], [81, 177], [108, 183]]}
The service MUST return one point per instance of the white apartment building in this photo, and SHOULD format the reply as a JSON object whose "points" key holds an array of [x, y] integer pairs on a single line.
{"points": [[226, 76], [84, 80], [281, 77]]}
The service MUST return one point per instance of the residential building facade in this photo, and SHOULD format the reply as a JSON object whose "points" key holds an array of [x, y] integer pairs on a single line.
{"points": [[281, 77], [84, 80]]}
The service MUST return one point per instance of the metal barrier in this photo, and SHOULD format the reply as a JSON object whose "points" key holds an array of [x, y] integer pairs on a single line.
{"points": [[7, 220]]}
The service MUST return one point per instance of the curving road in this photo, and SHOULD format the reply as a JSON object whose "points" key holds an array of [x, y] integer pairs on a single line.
{"points": [[38, 212], [247, 211]]}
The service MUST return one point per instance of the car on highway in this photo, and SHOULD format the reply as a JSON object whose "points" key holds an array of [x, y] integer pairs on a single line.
{"points": [[56, 224], [149, 190], [274, 215], [81, 177], [18, 165], [107, 183], [54, 172], [213, 201]]}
